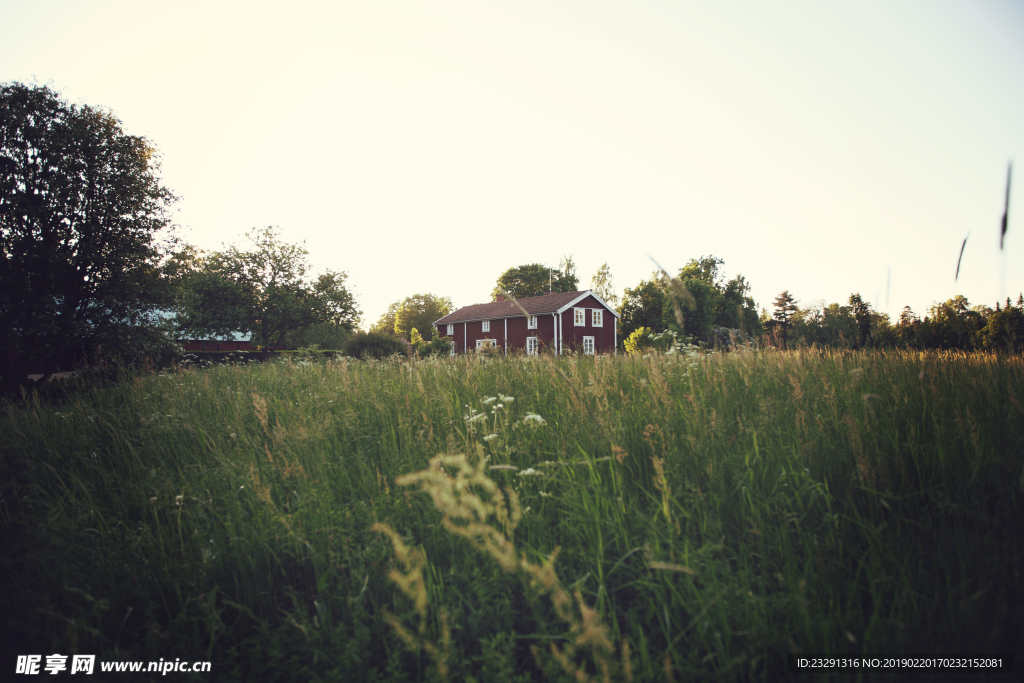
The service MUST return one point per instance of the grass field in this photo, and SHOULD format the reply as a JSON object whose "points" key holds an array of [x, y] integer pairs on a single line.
{"points": [[658, 518]]}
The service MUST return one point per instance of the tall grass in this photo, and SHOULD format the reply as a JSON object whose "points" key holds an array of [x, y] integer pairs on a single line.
{"points": [[660, 518]]}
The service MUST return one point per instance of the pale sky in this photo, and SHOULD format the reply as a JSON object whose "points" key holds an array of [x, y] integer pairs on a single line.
{"points": [[428, 146]]}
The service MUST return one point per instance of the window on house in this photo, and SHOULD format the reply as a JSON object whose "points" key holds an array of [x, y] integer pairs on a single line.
{"points": [[579, 317], [451, 329], [531, 345], [531, 322], [588, 346], [487, 325], [484, 343], [597, 317]]}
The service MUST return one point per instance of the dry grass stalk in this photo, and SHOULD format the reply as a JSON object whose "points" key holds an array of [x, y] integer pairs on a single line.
{"points": [[476, 508]]}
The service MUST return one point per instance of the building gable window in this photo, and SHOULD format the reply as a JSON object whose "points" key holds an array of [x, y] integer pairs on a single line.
{"points": [[579, 317], [487, 325], [451, 329], [588, 346], [531, 346], [597, 317], [531, 322]]}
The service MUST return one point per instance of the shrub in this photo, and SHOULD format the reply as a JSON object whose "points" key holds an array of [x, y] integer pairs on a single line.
{"points": [[640, 341], [438, 347], [376, 345]]}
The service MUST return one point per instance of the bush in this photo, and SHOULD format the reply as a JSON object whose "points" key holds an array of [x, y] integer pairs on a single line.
{"points": [[438, 347], [376, 345], [640, 341]]}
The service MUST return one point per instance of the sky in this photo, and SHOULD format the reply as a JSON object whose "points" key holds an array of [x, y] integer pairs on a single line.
{"points": [[818, 147]]}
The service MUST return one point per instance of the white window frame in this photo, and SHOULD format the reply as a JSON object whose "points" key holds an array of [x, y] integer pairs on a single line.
{"points": [[597, 318], [588, 346], [486, 326], [481, 343], [579, 317], [532, 344], [531, 322], [451, 329]]}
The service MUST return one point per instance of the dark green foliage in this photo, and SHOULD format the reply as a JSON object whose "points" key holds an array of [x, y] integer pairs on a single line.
{"points": [[642, 307], [439, 347], [533, 279], [712, 302], [81, 207], [263, 290], [376, 345], [329, 335]]}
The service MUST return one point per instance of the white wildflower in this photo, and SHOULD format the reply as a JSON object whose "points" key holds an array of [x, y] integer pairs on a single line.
{"points": [[506, 399], [476, 418], [178, 499], [232, 435], [490, 436], [529, 472], [490, 400], [545, 494], [533, 417]]}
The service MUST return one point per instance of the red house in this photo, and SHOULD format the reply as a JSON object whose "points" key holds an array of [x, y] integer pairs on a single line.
{"points": [[560, 322]]}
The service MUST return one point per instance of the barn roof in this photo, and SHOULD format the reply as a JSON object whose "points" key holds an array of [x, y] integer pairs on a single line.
{"points": [[534, 305]]}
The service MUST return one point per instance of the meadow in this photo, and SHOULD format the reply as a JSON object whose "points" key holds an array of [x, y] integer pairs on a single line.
{"points": [[665, 517]]}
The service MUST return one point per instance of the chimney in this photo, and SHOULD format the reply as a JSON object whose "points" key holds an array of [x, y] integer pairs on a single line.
{"points": [[501, 297]]}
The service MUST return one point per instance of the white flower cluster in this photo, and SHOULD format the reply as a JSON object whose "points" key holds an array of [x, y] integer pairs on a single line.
{"points": [[529, 472], [533, 417]]}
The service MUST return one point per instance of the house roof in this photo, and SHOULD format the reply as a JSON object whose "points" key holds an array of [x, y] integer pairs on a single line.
{"points": [[534, 305]]}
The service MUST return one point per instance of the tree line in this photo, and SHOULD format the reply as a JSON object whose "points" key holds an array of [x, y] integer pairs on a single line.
{"points": [[90, 265]]}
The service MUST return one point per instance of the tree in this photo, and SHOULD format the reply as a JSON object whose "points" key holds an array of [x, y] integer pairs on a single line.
{"points": [[264, 290], [534, 279], [603, 285], [420, 311], [386, 323], [705, 269], [712, 302], [862, 314], [81, 215], [785, 308], [641, 307]]}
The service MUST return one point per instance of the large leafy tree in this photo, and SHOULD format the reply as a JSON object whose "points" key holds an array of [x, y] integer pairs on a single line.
{"points": [[642, 307], [710, 301], [386, 323], [264, 290], [82, 210], [418, 312], [533, 279]]}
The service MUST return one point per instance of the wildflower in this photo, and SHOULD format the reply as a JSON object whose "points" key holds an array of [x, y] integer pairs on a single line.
{"points": [[178, 499], [490, 436], [545, 494], [490, 400], [232, 435], [506, 399], [496, 408], [533, 417], [476, 418], [529, 472]]}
